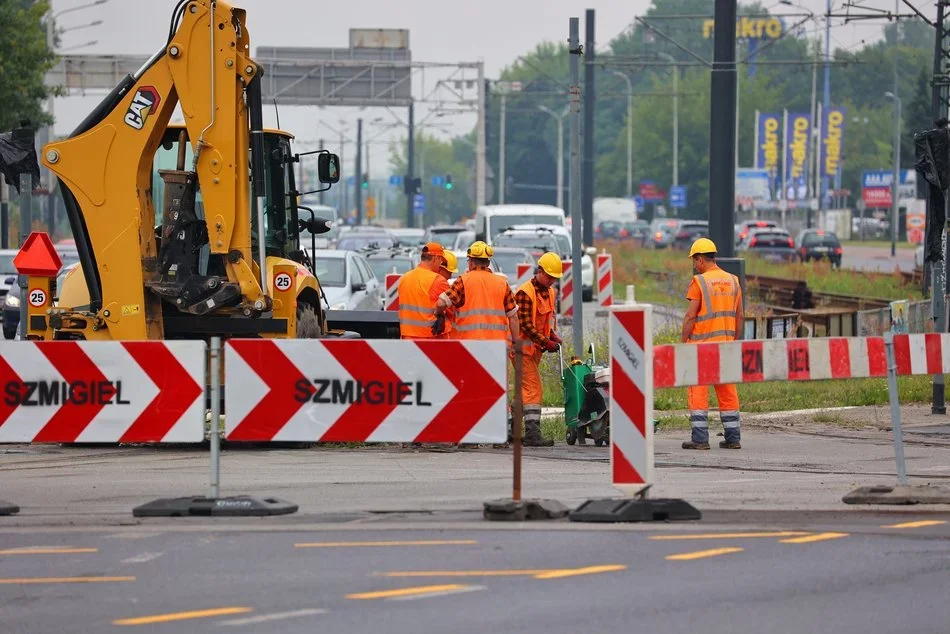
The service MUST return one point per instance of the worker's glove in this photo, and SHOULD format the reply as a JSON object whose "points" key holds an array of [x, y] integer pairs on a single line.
{"points": [[438, 327], [555, 338], [550, 345]]}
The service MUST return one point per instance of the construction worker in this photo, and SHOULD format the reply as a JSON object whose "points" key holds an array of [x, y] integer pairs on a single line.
{"points": [[714, 314], [450, 267], [536, 319], [485, 307], [419, 289]]}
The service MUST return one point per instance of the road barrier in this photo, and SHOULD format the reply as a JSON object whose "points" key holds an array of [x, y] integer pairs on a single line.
{"points": [[524, 273], [605, 280], [392, 291], [567, 290]]}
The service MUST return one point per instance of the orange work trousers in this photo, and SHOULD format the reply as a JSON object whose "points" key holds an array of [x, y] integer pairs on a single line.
{"points": [[531, 392], [697, 397]]}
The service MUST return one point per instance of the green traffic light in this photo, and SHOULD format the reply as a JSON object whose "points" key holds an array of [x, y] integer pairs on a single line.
{"points": [[448, 185]]}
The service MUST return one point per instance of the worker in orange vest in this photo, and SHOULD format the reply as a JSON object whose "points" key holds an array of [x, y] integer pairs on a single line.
{"points": [[419, 290], [450, 267], [485, 307], [714, 314], [536, 319]]}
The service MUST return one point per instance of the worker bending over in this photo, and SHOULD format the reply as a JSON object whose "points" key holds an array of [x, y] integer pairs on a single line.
{"points": [[714, 314], [419, 290], [536, 318]]}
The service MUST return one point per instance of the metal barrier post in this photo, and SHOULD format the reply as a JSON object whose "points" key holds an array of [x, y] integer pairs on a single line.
{"points": [[895, 408], [214, 436], [517, 418]]}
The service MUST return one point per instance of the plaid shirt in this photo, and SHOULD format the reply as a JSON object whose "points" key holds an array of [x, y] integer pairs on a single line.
{"points": [[526, 313], [456, 295]]}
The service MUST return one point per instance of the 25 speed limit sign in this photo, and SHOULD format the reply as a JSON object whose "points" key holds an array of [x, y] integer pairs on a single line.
{"points": [[282, 282], [37, 297]]}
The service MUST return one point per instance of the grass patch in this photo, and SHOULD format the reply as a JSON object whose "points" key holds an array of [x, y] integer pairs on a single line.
{"points": [[833, 418], [880, 244]]}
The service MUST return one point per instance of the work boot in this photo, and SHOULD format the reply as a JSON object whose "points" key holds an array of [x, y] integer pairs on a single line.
{"points": [[532, 436], [729, 445], [689, 444]]}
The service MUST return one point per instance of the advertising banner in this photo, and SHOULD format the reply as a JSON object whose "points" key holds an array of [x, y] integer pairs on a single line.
{"points": [[769, 141], [796, 155], [832, 138]]}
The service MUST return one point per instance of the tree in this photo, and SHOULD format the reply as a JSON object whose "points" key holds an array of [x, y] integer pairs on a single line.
{"points": [[24, 60], [435, 157]]}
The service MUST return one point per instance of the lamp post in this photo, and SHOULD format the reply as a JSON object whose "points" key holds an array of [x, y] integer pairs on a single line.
{"points": [[626, 78], [676, 116], [895, 178], [560, 152]]}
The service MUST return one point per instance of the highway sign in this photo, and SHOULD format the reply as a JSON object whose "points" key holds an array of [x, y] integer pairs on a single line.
{"points": [[438, 181], [419, 204], [678, 196], [395, 181]]}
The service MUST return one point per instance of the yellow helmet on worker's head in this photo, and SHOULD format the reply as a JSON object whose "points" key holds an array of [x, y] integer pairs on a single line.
{"points": [[702, 246], [551, 264], [451, 263], [480, 250]]}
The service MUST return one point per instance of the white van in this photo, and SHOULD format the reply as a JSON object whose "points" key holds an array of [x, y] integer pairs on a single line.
{"points": [[491, 220], [614, 209]]}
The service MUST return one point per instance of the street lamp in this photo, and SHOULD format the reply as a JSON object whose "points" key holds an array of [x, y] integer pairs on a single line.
{"points": [[78, 46], [895, 178], [627, 79], [560, 151]]}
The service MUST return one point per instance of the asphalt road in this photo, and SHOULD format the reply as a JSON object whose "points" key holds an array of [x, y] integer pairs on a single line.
{"points": [[843, 573], [877, 259]]}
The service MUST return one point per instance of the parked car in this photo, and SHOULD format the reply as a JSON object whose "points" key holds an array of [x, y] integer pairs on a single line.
{"points": [[386, 261], [743, 228], [443, 234], [637, 230], [818, 244], [7, 270], [772, 244], [661, 237], [687, 232], [347, 280]]}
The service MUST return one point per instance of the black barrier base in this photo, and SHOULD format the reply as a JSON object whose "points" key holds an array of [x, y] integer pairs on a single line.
{"points": [[508, 510], [237, 506], [8, 508], [635, 510]]}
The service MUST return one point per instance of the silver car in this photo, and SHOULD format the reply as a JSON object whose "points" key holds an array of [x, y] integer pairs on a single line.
{"points": [[347, 280]]}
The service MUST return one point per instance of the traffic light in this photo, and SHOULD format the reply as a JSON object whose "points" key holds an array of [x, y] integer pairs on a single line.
{"points": [[365, 182], [448, 181]]}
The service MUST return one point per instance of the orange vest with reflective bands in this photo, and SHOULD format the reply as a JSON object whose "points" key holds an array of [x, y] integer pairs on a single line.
{"points": [[543, 315], [482, 316], [416, 309], [717, 315]]}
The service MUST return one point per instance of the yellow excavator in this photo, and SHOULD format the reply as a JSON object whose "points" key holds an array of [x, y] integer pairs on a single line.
{"points": [[191, 230]]}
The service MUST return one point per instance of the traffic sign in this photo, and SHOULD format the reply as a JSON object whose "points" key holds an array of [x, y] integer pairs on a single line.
{"points": [[438, 181], [395, 180], [366, 391], [639, 201], [37, 297], [678, 196], [282, 282], [419, 204], [351, 180], [38, 257]]}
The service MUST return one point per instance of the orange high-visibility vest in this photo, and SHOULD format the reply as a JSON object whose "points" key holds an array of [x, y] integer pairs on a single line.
{"points": [[543, 316], [416, 309], [717, 315], [482, 316]]}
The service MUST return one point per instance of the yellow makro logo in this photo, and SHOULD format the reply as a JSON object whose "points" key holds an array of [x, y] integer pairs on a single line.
{"points": [[770, 150], [798, 146], [750, 28], [832, 143]]}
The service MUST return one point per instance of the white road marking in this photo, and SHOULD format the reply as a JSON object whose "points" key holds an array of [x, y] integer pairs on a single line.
{"points": [[443, 593], [141, 558], [276, 616]]}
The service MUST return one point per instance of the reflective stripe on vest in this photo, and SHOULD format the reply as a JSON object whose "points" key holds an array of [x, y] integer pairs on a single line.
{"points": [[482, 316], [543, 315], [416, 309], [717, 314]]}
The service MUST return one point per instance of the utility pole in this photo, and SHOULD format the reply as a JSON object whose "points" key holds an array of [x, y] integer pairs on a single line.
{"points": [[722, 160], [575, 51], [559, 118], [358, 181], [480, 174], [322, 145], [812, 145], [895, 178], [410, 155], [938, 108], [587, 184], [501, 148]]}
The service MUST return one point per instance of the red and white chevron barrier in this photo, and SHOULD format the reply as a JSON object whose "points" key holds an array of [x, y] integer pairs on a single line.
{"points": [[392, 291], [631, 396], [567, 290], [366, 391], [102, 391], [524, 274], [605, 280], [797, 359]]}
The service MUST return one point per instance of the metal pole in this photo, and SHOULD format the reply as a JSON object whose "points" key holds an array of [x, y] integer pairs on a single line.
{"points": [[895, 408], [410, 157], [630, 140], [817, 171], [213, 436], [560, 162], [811, 136], [755, 142], [722, 160], [783, 199], [480, 172], [4, 216], [826, 101], [576, 186], [587, 182], [320, 195], [358, 181], [517, 418], [344, 206], [501, 149], [938, 272], [895, 178], [26, 225], [676, 126]]}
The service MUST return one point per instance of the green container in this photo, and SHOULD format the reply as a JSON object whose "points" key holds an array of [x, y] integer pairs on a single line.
{"points": [[572, 379]]}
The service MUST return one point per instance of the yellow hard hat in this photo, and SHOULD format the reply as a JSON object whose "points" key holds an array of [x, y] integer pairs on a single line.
{"points": [[451, 263], [480, 250], [703, 245], [551, 264]]}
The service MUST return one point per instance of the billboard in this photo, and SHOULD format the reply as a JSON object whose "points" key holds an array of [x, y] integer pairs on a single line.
{"points": [[876, 187], [832, 133], [752, 187], [768, 155], [797, 137]]}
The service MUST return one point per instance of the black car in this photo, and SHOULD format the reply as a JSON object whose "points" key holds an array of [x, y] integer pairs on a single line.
{"points": [[11, 312], [817, 244], [775, 245], [688, 232]]}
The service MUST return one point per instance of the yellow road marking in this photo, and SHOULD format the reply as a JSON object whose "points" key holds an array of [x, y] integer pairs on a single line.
{"points": [[450, 542], [181, 616], [919, 524], [406, 592], [24, 580], [729, 535], [554, 573], [47, 551], [817, 537], [702, 554]]}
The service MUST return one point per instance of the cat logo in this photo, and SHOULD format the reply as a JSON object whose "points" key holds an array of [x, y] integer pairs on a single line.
{"points": [[144, 103]]}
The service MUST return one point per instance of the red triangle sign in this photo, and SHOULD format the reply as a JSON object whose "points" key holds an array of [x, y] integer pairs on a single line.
{"points": [[38, 257]]}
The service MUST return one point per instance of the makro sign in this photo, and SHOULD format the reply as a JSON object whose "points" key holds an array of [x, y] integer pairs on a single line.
{"points": [[797, 136], [770, 143], [832, 132], [750, 28]]}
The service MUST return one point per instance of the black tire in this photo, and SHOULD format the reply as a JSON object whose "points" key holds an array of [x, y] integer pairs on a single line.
{"points": [[571, 436], [308, 324], [9, 333]]}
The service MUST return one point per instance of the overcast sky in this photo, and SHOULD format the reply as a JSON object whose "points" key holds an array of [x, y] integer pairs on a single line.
{"points": [[496, 31]]}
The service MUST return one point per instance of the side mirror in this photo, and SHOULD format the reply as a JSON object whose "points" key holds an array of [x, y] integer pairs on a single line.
{"points": [[359, 286], [328, 168], [316, 226]]}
